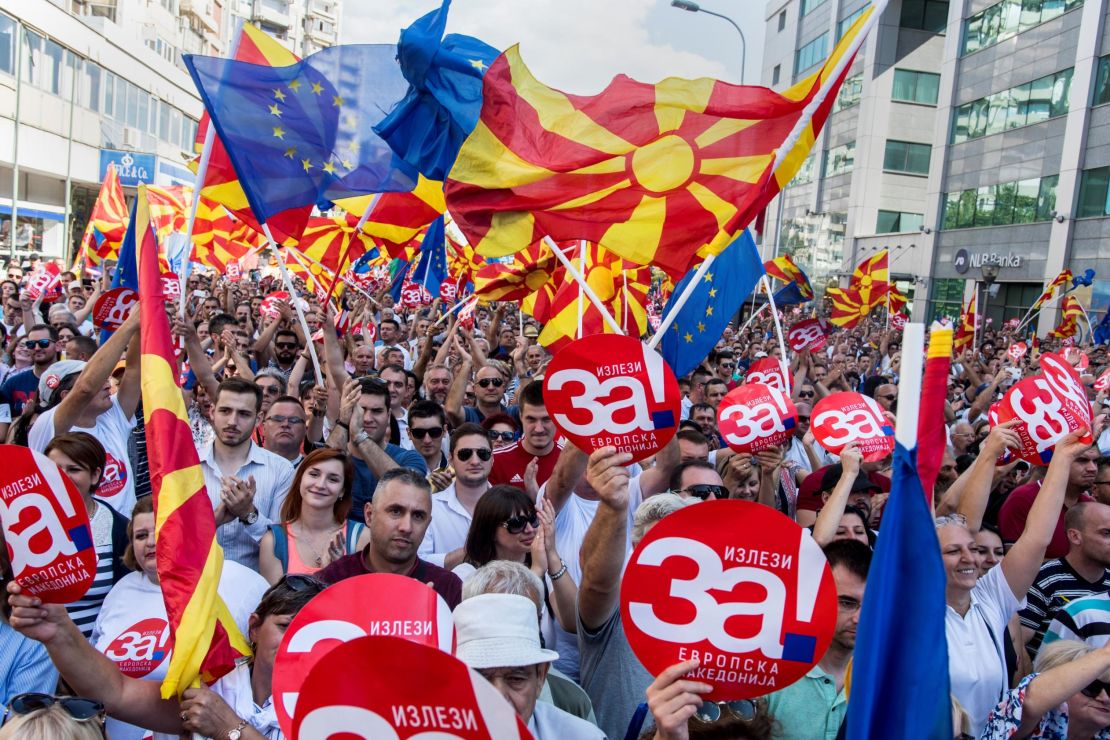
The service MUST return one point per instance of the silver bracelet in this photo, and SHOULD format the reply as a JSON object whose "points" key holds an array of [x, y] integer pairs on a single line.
{"points": [[562, 572]]}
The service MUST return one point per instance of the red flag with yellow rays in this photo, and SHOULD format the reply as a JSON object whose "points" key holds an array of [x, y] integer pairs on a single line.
{"points": [[221, 184], [398, 218], [871, 279], [896, 299], [965, 331], [660, 174], [169, 208], [108, 221], [206, 642], [1060, 280], [848, 308], [1070, 311], [328, 239], [219, 238], [526, 274]]}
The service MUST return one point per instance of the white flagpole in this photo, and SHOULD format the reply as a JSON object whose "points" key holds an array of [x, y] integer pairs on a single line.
{"points": [[574, 273], [778, 328], [295, 300], [581, 269], [909, 384]]}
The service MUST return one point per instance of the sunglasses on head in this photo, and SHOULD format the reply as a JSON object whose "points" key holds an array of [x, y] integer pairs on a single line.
{"points": [[40, 343], [516, 524], [434, 433], [487, 382], [484, 453], [704, 490], [711, 711], [79, 709], [1095, 688], [503, 436], [300, 583]]}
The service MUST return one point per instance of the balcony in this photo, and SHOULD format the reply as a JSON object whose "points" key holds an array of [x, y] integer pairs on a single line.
{"points": [[321, 37], [321, 9], [273, 13], [201, 10]]}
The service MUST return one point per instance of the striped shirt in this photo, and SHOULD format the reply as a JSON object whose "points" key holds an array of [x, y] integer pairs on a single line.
{"points": [[25, 666], [1057, 584], [1086, 620], [84, 611]]}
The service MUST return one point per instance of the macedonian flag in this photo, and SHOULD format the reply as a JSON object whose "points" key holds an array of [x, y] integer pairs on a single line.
{"points": [[848, 307], [871, 279], [219, 238], [515, 281], [965, 331], [206, 642], [107, 222], [658, 174]]}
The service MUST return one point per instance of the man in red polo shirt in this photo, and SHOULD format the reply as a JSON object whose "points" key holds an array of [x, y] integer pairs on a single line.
{"points": [[536, 443], [1012, 515]]}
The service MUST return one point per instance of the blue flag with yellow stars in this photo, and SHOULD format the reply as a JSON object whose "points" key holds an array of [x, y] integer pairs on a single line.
{"points": [[712, 305], [790, 294], [444, 101], [431, 270], [303, 134]]}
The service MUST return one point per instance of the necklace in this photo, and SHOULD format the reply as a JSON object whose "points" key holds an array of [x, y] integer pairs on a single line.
{"points": [[304, 538]]}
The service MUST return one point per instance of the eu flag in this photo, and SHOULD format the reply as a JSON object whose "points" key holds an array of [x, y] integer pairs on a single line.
{"points": [[790, 294], [1102, 329], [431, 270], [712, 305], [444, 101], [900, 664], [303, 134]]}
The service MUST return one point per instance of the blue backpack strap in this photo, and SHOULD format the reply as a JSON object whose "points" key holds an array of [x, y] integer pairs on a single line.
{"points": [[281, 546], [354, 531], [637, 722]]}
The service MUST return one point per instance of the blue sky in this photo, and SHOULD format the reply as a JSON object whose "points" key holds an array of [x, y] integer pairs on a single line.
{"points": [[578, 45]]}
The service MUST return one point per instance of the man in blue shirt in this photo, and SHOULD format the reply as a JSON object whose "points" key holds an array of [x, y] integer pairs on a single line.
{"points": [[20, 386], [363, 428]]}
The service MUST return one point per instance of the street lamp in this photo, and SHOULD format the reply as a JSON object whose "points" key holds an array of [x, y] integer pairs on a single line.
{"points": [[693, 7]]}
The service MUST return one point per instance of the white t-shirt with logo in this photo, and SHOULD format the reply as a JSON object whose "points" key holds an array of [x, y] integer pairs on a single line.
{"points": [[132, 629], [117, 485]]}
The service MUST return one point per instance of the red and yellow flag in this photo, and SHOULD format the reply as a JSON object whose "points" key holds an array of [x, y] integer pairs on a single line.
{"points": [[848, 308], [221, 184], [220, 238], [896, 299], [108, 221], [1060, 280], [932, 437], [871, 279], [526, 274], [327, 240], [206, 642], [659, 174], [965, 332], [398, 218], [169, 208], [1070, 311]]}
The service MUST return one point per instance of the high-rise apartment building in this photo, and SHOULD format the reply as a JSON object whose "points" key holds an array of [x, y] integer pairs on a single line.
{"points": [[971, 139]]}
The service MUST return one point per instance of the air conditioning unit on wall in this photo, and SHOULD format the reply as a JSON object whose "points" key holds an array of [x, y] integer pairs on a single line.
{"points": [[132, 137]]}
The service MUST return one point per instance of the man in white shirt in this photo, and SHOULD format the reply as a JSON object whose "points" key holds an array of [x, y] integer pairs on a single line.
{"points": [[245, 483], [395, 379], [453, 508]]}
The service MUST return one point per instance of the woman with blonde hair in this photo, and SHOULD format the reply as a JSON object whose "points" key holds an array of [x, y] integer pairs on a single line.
{"points": [[46, 717]]}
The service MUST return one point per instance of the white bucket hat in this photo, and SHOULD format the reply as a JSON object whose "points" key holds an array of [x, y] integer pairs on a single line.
{"points": [[499, 631]]}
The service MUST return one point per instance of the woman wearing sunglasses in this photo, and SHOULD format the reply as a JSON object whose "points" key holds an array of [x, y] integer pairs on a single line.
{"points": [[314, 527], [508, 526], [34, 716], [131, 628], [1067, 697], [239, 706], [503, 430]]}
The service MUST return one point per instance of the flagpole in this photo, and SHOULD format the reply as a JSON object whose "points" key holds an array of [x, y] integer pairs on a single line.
{"points": [[751, 318], [350, 243], [909, 384], [296, 303], [778, 330], [583, 285], [458, 307], [581, 269], [300, 257]]}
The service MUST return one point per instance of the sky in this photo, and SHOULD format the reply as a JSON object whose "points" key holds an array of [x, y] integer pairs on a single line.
{"points": [[579, 45]]}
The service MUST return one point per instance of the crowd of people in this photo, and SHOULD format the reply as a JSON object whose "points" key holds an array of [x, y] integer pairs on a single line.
{"points": [[425, 449]]}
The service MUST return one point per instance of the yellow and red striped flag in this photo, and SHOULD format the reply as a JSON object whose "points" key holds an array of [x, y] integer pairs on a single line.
{"points": [[1070, 311], [871, 279], [660, 174], [107, 222], [515, 281], [206, 642], [965, 331], [219, 238], [1060, 280], [328, 240], [896, 299], [848, 308], [398, 218]]}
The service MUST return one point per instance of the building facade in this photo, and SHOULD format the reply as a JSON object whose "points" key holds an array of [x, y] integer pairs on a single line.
{"points": [[85, 83], [971, 139]]}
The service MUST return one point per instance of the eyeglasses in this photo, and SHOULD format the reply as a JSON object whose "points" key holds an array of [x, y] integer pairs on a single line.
{"points": [[889, 396], [1095, 688], [434, 433], [516, 524], [290, 420], [484, 453], [40, 343], [803, 419], [704, 490], [711, 711], [727, 365], [79, 709], [503, 436], [487, 382], [805, 394], [287, 345]]}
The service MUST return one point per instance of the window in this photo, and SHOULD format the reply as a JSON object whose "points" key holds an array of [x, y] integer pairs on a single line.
{"points": [[782, 20], [844, 24], [8, 30], [175, 126], [1021, 202], [90, 86], [164, 122], [132, 105], [809, 5], [32, 57], [143, 117], [811, 54], [807, 172], [51, 78], [188, 133], [892, 222], [916, 87], [850, 93], [1094, 193], [109, 95], [776, 73], [1102, 77], [1036, 101], [840, 159], [907, 156], [924, 15], [1008, 18]]}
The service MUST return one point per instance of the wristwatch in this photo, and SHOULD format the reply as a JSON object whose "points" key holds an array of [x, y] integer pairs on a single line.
{"points": [[249, 519], [361, 437], [237, 733]]}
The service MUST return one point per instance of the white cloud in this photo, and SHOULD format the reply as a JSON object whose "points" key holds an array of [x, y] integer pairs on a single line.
{"points": [[573, 45]]}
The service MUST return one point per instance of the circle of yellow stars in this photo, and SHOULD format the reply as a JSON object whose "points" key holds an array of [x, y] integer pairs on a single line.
{"points": [[688, 337], [348, 154]]}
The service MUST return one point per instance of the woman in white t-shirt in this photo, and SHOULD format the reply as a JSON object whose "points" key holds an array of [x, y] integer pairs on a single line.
{"points": [[82, 458], [132, 628], [508, 526]]}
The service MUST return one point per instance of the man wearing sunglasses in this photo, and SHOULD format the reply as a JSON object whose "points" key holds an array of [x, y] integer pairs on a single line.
{"points": [[698, 479], [726, 366], [427, 432], [489, 392], [19, 387], [453, 507], [536, 443]]}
